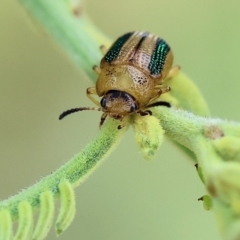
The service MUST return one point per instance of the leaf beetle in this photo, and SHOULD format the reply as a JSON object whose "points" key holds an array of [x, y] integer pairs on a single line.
{"points": [[130, 76]]}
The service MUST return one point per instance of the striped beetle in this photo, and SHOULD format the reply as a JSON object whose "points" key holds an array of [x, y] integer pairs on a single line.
{"points": [[130, 76]]}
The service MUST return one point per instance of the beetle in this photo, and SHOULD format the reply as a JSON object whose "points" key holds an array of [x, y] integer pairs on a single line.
{"points": [[130, 76]]}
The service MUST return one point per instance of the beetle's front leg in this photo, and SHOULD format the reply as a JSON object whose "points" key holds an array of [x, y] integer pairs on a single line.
{"points": [[96, 69], [144, 113], [158, 91], [90, 91], [173, 71]]}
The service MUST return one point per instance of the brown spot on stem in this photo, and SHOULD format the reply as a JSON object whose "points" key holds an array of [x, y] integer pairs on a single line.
{"points": [[77, 9], [212, 189], [213, 132]]}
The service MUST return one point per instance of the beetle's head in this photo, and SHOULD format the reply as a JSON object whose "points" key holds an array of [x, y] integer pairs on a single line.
{"points": [[118, 104]]}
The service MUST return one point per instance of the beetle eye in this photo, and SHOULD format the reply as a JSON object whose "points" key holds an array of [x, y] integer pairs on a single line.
{"points": [[133, 107], [103, 102]]}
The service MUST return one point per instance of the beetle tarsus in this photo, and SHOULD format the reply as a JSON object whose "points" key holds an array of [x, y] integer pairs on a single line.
{"points": [[103, 117], [174, 70], [96, 69], [149, 112], [120, 126], [145, 113], [103, 49]]}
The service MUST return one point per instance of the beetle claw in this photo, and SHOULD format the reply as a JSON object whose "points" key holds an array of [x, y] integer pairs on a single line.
{"points": [[103, 49], [97, 69], [145, 113], [120, 126]]}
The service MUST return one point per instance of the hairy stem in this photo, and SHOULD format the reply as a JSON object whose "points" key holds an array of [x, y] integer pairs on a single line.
{"points": [[71, 29], [75, 171]]}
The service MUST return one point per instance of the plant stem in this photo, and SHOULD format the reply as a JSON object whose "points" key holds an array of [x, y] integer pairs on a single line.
{"points": [[72, 29]]}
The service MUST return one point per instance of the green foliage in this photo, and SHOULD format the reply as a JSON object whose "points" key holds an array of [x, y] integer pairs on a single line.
{"points": [[59, 184], [67, 210], [46, 215], [25, 225], [5, 225], [213, 143]]}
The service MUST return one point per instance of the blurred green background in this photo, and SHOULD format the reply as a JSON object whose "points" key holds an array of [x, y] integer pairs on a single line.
{"points": [[127, 197]]}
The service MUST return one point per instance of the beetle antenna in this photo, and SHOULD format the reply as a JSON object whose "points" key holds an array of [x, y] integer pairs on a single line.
{"points": [[159, 103], [73, 110]]}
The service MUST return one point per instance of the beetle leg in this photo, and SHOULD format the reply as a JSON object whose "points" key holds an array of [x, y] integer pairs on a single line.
{"points": [[103, 117], [96, 69], [120, 126], [160, 90], [174, 70], [90, 91], [145, 113], [103, 49]]}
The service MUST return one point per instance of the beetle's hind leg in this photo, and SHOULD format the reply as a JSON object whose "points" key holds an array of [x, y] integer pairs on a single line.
{"points": [[103, 49], [90, 91], [96, 68], [173, 71], [159, 89]]}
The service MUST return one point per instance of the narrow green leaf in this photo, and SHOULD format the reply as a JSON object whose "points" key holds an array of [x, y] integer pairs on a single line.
{"points": [[45, 217], [25, 224], [67, 208], [6, 232]]}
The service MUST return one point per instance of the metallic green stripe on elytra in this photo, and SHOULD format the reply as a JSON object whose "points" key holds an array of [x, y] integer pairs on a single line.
{"points": [[116, 47], [158, 57]]}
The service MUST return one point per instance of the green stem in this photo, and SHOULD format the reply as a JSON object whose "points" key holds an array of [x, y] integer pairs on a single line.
{"points": [[214, 143], [73, 31], [75, 171]]}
